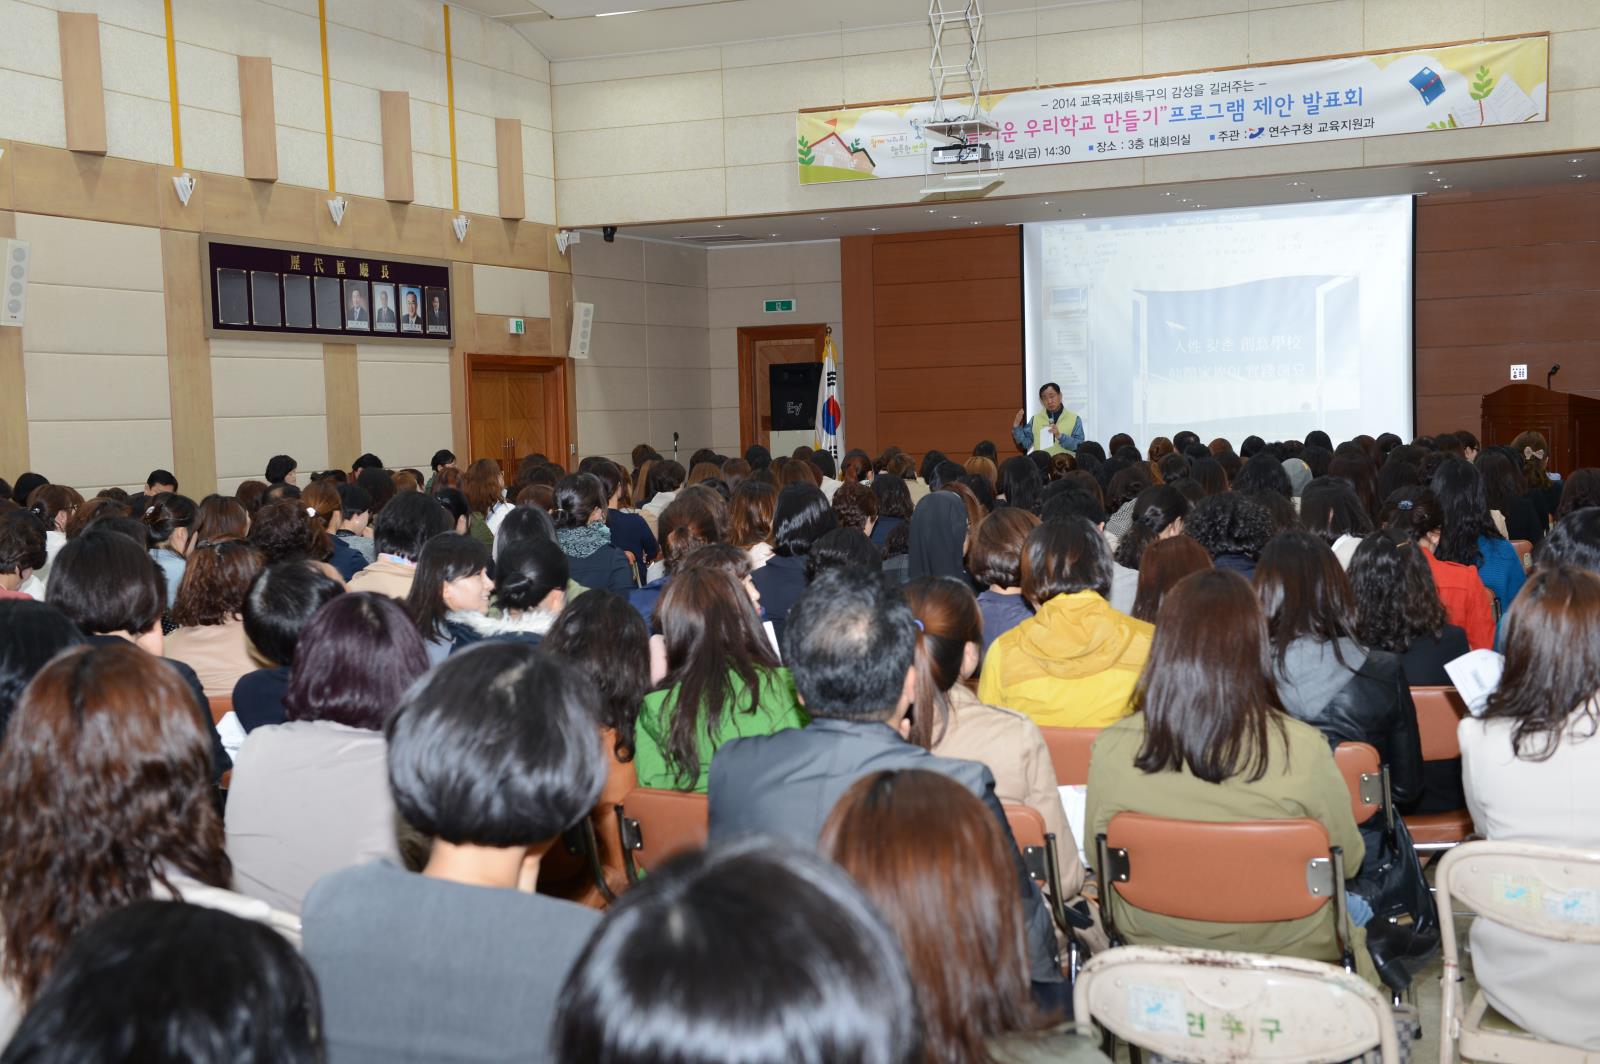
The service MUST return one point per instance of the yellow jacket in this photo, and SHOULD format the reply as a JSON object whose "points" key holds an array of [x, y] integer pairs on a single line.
{"points": [[1072, 665]]}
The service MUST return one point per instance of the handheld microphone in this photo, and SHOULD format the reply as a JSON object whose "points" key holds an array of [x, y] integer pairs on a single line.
{"points": [[674, 446], [1553, 371]]}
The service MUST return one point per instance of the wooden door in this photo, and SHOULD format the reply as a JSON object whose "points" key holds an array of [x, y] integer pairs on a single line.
{"points": [[516, 407], [759, 349]]}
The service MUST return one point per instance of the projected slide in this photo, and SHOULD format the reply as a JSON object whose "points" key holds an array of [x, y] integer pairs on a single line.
{"points": [[1271, 320]]}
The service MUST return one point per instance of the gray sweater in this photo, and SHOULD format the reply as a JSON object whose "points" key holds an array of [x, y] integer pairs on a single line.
{"points": [[414, 968]]}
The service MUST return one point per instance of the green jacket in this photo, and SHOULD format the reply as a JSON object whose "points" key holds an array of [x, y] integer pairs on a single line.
{"points": [[1301, 781], [777, 708]]}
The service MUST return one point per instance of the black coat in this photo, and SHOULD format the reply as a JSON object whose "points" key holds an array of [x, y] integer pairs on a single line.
{"points": [[784, 785]]}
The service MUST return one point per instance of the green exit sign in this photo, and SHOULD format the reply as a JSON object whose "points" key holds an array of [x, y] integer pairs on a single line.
{"points": [[778, 306]]}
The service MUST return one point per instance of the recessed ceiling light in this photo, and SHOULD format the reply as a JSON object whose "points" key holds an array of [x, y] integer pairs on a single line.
{"points": [[719, 225], [1444, 186], [955, 217], [872, 229], [977, 223], [823, 218], [1083, 214], [1432, 172], [1047, 202], [1580, 175], [1166, 193], [933, 210], [1579, 159], [1296, 184]]}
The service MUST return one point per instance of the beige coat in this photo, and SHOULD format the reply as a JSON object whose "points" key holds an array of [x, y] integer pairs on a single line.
{"points": [[1011, 745], [218, 653], [385, 577]]}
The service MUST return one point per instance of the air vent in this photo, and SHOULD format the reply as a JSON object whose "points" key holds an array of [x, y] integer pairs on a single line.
{"points": [[718, 238]]}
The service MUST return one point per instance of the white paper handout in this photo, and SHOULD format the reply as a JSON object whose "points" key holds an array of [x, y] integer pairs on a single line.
{"points": [[1074, 799], [1475, 676]]}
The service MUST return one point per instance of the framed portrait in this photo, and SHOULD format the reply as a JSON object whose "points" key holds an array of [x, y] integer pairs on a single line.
{"points": [[330, 303], [357, 306], [265, 310], [233, 297], [438, 311], [410, 308], [385, 315], [297, 302]]}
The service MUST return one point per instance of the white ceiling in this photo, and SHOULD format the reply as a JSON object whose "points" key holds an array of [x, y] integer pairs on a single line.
{"points": [[1439, 180], [566, 29]]}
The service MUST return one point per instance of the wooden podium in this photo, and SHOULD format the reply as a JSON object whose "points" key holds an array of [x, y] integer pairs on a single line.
{"points": [[1570, 423]]}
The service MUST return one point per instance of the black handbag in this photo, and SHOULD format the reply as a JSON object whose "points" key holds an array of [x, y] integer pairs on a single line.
{"points": [[1403, 934]]}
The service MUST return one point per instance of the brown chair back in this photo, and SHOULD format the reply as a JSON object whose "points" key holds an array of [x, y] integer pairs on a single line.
{"points": [[1069, 753], [1362, 770], [1524, 549], [1244, 872], [220, 707], [657, 824], [1439, 710]]}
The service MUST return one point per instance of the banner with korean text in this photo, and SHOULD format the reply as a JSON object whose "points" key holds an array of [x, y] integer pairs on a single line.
{"points": [[1459, 86]]}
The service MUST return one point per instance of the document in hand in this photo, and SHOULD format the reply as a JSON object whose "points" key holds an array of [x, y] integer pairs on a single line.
{"points": [[1475, 676]]}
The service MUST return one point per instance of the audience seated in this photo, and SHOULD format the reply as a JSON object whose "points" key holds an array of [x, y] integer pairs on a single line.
{"points": [[452, 581], [401, 529], [582, 534], [1074, 663], [116, 785], [1162, 565], [722, 681], [847, 548], [851, 647], [281, 601], [922, 847], [1232, 529], [1415, 512], [1539, 487], [951, 722], [1574, 541], [217, 518], [22, 552], [790, 962], [170, 983], [210, 637], [355, 521], [31, 633], [1157, 513], [696, 518], [529, 591], [1531, 766], [1209, 741], [1398, 609], [493, 756], [799, 518], [750, 519], [995, 562], [1469, 537], [325, 509], [169, 520], [1513, 513], [1330, 509], [938, 537], [308, 796], [630, 533]]}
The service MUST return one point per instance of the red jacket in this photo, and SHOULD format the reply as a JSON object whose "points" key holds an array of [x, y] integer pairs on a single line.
{"points": [[1466, 600]]}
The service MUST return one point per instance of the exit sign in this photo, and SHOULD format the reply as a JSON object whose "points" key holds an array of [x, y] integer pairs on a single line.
{"points": [[778, 306]]}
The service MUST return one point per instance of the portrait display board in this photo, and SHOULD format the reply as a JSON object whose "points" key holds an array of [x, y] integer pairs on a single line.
{"points": [[288, 290]]}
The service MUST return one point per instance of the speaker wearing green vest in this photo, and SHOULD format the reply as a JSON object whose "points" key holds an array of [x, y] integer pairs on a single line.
{"points": [[1055, 428]]}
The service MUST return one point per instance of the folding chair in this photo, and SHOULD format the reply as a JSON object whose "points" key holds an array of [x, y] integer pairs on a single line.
{"points": [[1366, 776], [1069, 753], [1524, 549], [1204, 1006], [1538, 890], [1039, 854], [656, 824], [1439, 710], [220, 707]]}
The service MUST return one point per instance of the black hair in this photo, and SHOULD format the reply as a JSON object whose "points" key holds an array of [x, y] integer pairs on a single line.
{"points": [[446, 557], [22, 541], [1263, 473], [600, 634], [1068, 500], [800, 517], [1396, 600], [843, 548], [945, 472], [497, 746], [1154, 511], [578, 496], [1304, 594], [367, 461], [1330, 508], [758, 457], [164, 514], [441, 458], [986, 449], [1050, 386], [1465, 510], [1573, 542], [31, 633], [26, 485], [161, 476], [849, 642], [278, 467], [280, 602], [894, 498], [107, 583], [455, 502], [1318, 438], [379, 486], [776, 958], [1229, 524], [354, 500], [404, 526], [930, 462], [164, 982], [525, 573], [823, 460], [278, 493], [524, 524], [1020, 482]]}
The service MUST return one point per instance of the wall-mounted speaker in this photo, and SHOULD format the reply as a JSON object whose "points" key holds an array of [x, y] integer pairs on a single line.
{"points": [[582, 328], [14, 283]]}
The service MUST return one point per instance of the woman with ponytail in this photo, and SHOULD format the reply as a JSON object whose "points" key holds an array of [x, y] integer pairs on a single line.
{"points": [[581, 533], [1158, 513], [722, 681], [950, 721], [169, 521], [325, 509]]}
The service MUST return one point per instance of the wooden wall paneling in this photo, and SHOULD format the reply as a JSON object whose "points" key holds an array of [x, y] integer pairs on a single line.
{"points": [[1550, 317], [916, 262], [194, 447], [555, 261], [508, 163], [395, 113], [258, 118], [493, 339], [953, 432], [82, 92], [1517, 270], [949, 388], [499, 242], [401, 228], [988, 299], [72, 185], [970, 343], [13, 387], [341, 379], [1480, 222], [5, 174], [859, 353], [465, 336], [560, 314], [235, 207]]}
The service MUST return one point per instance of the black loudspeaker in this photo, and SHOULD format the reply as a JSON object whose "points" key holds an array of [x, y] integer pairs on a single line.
{"points": [[793, 388]]}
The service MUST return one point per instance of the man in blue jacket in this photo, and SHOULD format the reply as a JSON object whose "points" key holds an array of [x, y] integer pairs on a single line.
{"points": [[1054, 429]]}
